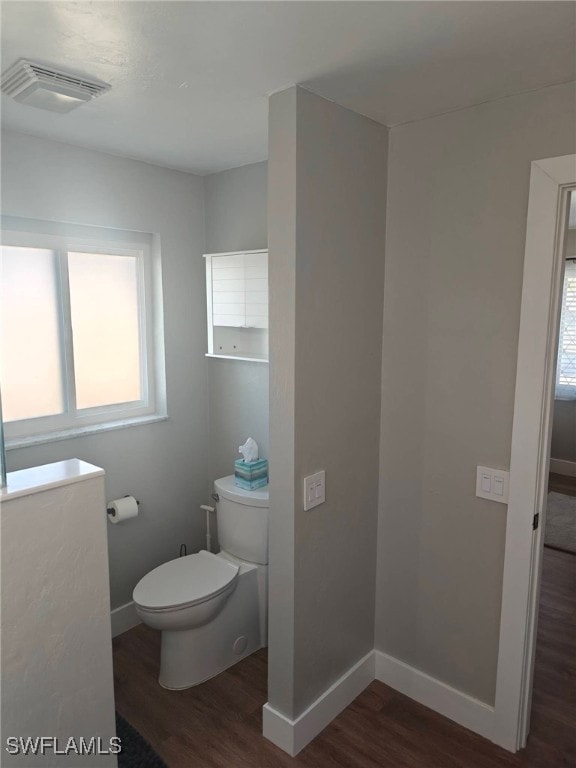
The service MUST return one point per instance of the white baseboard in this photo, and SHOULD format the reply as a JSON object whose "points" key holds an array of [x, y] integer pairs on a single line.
{"points": [[294, 735], [456, 705], [563, 467], [124, 618]]}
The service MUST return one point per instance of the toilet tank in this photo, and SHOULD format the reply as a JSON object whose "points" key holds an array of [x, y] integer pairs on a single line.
{"points": [[242, 521]]}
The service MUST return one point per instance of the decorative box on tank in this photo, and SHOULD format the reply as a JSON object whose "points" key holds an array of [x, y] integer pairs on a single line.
{"points": [[251, 474]]}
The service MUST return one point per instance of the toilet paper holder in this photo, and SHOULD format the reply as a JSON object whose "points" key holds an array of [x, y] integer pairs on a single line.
{"points": [[110, 511]]}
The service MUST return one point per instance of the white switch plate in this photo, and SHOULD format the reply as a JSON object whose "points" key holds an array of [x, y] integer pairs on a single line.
{"points": [[314, 490], [492, 484]]}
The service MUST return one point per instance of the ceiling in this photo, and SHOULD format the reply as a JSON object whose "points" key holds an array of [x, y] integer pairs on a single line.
{"points": [[190, 80]]}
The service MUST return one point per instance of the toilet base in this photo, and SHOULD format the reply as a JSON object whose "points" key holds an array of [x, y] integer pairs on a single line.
{"points": [[190, 657]]}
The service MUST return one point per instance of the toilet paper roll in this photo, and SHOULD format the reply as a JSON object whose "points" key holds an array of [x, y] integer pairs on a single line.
{"points": [[122, 509]]}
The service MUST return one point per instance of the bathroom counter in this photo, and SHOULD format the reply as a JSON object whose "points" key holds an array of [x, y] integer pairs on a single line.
{"points": [[24, 482], [56, 638]]}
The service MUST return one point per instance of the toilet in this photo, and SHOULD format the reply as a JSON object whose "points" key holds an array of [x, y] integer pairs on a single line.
{"points": [[212, 608]]}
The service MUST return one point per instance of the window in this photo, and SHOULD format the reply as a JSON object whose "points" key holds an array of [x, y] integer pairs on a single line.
{"points": [[75, 331], [566, 367]]}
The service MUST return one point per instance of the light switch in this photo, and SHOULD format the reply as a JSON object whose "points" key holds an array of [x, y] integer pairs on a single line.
{"points": [[314, 490], [492, 484]]}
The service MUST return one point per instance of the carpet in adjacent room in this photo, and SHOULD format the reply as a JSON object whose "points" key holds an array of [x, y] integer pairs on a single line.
{"points": [[560, 530]]}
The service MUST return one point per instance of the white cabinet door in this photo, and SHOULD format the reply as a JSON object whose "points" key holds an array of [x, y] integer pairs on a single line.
{"points": [[228, 291], [256, 278]]}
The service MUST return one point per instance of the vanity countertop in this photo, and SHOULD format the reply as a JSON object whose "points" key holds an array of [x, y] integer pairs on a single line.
{"points": [[24, 482]]}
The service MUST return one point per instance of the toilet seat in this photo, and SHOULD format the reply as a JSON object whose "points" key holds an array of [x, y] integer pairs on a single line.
{"points": [[185, 582]]}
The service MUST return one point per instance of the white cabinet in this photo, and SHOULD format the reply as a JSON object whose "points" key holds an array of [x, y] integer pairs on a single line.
{"points": [[237, 303]]}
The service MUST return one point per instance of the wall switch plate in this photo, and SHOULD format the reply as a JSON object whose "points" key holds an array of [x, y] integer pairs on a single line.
{"points": [[314, 490], [492, 484]]}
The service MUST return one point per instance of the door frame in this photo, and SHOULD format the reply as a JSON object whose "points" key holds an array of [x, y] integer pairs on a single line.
{"points": [[550, 183]]}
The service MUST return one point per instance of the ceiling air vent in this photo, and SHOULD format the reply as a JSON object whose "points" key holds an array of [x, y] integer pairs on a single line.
{"points": [[47, 88]]}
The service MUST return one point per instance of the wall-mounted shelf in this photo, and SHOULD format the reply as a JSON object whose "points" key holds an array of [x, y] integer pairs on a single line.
{"points": [[253, 359], [237, 305]]}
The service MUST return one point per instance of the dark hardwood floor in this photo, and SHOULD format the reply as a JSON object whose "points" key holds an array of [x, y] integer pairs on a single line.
{"points": [[218, 724]]}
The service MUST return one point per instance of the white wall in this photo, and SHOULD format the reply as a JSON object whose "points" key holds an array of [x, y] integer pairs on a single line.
{"points": [[456, 223], [327, 197], [236, 219], [564, 431], [165, 465]]}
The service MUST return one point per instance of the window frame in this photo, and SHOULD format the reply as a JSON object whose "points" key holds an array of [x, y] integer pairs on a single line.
{"points": [[74, 421], [564, 392]]}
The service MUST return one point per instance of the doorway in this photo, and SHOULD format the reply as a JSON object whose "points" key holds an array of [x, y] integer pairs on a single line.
{"points": [[551, 183], [552, 715], [560, 525]]}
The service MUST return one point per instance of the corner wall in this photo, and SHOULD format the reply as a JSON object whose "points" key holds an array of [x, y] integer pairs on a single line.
{"points": [[456, 224], [327, 198], [235, 219], [165, 465]]}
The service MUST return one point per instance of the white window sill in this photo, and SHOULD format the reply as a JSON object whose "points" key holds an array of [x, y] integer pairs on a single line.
{"points": [[82, 431]]}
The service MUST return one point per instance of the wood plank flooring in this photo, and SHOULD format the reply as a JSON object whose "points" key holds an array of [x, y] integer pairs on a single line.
{"points": [[218, 724]]}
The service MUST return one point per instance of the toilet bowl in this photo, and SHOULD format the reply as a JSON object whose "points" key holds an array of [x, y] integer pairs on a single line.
{"points": [[212, 608], [186, 592]]}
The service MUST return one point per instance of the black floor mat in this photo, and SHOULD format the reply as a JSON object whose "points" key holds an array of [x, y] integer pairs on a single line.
{"points": [[136, 752]]}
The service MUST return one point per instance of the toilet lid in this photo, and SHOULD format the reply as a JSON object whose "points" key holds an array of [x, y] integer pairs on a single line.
{"points": [[185, 581]]}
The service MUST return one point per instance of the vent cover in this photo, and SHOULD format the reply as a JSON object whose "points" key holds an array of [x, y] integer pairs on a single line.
{"points": [[47, 88]]}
